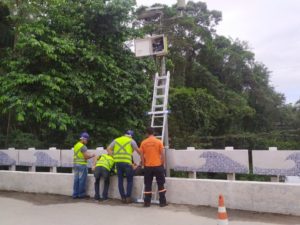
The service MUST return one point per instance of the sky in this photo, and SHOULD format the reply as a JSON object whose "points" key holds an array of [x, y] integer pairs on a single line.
{"points": [[272, 30]]}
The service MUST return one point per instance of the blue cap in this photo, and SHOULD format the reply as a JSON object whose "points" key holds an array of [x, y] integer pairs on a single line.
{"points": [[84, 135], [129, 132]]}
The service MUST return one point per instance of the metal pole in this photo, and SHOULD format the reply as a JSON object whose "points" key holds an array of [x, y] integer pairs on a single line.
{"points": [[168, 172], [165, 138], [163, 66]]}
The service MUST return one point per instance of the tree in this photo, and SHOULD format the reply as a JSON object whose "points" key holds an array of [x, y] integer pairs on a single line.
{"points": [[6, 36], [66, 74], [194, 113], [201, 60]]}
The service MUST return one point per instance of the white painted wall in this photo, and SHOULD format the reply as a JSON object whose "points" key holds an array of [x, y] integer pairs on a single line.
{"points": [[253, 196]]}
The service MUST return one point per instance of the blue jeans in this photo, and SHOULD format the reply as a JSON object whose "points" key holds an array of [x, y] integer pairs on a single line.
{"points": [[125, 168], [80, 177], [104, 173]]}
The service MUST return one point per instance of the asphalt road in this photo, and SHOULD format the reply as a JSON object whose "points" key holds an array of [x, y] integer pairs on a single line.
{"points": [[36, 209]]}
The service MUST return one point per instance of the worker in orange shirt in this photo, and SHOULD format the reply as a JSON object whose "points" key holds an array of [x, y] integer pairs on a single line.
{"points": [[152, 158]]}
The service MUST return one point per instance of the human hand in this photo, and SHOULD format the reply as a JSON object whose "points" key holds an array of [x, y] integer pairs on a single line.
{"points": [[134, 166]]}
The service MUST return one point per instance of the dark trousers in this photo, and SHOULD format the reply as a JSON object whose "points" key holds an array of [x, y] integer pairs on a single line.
{"points": [[159, 173], [104, 173], [127, 170]]}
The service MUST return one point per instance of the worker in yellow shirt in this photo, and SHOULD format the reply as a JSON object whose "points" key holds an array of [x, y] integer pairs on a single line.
{"points": [[102, 167], [122, 149], [81, 155]]}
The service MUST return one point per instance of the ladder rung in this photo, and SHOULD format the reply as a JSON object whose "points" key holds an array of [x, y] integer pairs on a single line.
{"points": [[156, 126], [160, 87], [158, 136], [161, 77], [158, 112], [159, 96], [159, 106]]}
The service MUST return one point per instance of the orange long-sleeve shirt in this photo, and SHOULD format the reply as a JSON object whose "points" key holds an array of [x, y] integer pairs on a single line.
{"points": [[152, 150]]}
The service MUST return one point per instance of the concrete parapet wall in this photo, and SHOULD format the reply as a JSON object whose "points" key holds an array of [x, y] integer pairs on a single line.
{"points": [[228, 160], [55, 183], [253, 196]]}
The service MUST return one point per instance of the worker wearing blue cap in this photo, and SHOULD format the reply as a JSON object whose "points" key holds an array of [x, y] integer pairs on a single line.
{"points": [[80, 166], [122, 149]]}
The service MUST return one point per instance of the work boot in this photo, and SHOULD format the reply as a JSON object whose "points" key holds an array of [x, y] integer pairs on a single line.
{"points": [[146, 204], [163, 204], [102, 200], [128, 200], [162, 201], [105, 200], [84, 197], [148, 198], [123, 200]]}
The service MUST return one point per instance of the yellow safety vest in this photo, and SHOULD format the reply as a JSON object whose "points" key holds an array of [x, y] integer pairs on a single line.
{"points": [[122, 151], [78, 157], [106, 161]]}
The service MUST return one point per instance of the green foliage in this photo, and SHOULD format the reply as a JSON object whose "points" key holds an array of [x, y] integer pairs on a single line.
{"points": [[194, 112], [70, 71], [21, 140], [65, 68]]}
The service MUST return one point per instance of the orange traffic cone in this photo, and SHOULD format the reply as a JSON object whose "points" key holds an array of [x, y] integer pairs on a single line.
{"points": [[222, 214]]}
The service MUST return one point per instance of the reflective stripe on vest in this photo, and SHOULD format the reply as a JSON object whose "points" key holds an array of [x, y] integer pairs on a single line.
{"points": [[106, 161], [78, 157], [123, 150]]}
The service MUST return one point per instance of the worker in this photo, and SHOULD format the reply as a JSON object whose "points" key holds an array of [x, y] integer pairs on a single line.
{"points": [[80, 166], [103, 165], [122, 149], [152, 158]]}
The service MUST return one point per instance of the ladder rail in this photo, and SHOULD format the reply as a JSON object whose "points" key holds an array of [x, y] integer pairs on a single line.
{"points": [[153, 97], [166, 95]]}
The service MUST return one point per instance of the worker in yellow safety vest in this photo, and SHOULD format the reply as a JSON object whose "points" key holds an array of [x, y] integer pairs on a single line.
{"points": [[80, 166], [122, 149], [102, 167]]}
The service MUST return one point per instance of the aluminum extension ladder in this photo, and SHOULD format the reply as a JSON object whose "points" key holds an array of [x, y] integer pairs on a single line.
{"points": [[159, 110]]}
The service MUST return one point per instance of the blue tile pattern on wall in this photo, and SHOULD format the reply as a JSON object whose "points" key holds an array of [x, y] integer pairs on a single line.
{"points": [[216, 163], [44, 159], [6, 160], [295, 171]]}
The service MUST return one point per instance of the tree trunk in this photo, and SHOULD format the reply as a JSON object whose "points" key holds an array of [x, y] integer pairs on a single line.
{"points": [[7, 129]]}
